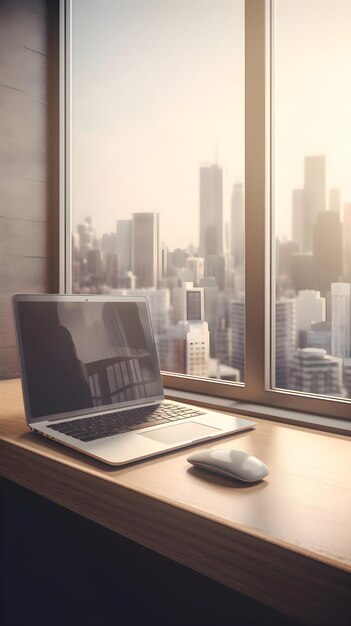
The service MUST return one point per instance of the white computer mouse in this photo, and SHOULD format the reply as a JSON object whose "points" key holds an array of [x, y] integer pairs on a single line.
{"points": [[231, 463]]}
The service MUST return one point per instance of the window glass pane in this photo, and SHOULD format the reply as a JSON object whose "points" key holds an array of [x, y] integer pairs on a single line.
{"points": [[312, 196], [158, 170]]}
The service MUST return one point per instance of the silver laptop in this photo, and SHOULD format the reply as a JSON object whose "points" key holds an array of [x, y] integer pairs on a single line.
{"points": [[91, 379]]}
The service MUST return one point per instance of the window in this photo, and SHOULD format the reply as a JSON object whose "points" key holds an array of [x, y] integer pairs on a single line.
{"points": [[159, 179], [158, 170], [311, 197]]}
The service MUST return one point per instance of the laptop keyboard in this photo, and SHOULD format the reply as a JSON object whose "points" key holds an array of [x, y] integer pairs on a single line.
{"points": [[108, 424]]}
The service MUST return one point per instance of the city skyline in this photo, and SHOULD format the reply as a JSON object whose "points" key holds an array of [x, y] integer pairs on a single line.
{"points": [[197, 298]]}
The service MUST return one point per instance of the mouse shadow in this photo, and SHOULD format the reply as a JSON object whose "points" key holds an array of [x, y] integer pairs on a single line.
{"points": [[223, 481]]}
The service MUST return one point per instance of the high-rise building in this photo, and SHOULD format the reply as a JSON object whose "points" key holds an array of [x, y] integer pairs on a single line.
{"points": [[298, 218], [111, 269], [238, 224], [310, 308], [284, 255], [185, 347], [319, 336], [236, 314], [171, 349], [211, 210], [312, 370], [164, 260], [346, 375], [302, 271], [197, 333], [347, 243], [212, 301], [334, 200], [340, 319], [327, 250], [195, 264], [124, 245], [215, 266], [146, 249], [285, 339], [86, 237], [94, 261], [314, 196], [108, 244]]}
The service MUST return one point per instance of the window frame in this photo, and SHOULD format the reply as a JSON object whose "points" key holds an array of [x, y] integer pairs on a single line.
{"points": [[259, 222]]}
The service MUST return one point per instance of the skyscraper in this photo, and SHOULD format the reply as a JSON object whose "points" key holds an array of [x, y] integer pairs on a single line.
{"points": [[146, 249], [236, 312], [285, 339], [215, 266], [347, 242], [186, 346], [340, 313], [334, 200], [310, 307], [238, 224], [312, 370], [196, 265], [211, 210], [327, 250], [314, 196], [124, 245]]}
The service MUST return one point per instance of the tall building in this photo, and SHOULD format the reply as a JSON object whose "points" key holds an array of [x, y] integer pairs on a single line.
{"points": [[146, 249], [302, 271], [171, 349], [298, 218], [285, 251], [94, 261], [314, 196], [310, 308], [285, 339], [347, 243], [334, 200], [195, 264], [212, 301], [86, 237], [238, 224], [312, 370], [197, 334], [236, 314], [124, 245], [211, 210], [319, 336], [347, 377], [327, 250], [340, 319], [108, 244], [215, 266], [185, 347]]}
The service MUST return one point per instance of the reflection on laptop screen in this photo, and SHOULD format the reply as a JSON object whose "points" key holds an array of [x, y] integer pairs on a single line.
{"points": [[81, 355]]}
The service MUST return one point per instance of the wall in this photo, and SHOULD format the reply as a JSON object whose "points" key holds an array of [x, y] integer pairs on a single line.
{"points": [[28, 159]]}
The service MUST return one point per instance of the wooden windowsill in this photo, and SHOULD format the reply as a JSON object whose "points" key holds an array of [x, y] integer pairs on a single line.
{"points": [[285, 542]]}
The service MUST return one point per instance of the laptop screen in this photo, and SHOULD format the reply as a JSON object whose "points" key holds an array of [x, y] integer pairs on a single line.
{"points": [[78, 355]]}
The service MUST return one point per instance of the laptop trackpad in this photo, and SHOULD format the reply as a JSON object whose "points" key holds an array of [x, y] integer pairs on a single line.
{"points": [[180, 432]]}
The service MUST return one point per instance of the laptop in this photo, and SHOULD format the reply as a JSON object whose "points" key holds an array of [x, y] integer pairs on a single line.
{"points": [[91, 379]]}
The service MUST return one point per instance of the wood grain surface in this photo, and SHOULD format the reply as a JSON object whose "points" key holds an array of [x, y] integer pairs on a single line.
{"points": [[285, 541], [28, 190]]}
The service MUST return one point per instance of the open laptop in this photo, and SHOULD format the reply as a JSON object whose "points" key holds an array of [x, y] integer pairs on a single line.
{"points": [[91, 379]]}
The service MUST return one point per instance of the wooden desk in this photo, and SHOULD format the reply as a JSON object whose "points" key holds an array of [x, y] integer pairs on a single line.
{"points": [[285, 542]]}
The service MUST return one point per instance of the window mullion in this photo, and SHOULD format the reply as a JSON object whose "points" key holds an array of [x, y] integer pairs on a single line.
{"points": [[255, 189]]}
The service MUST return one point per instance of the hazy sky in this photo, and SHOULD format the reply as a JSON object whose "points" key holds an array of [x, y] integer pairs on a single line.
{"points": [[158, 89], [312, 96]]}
